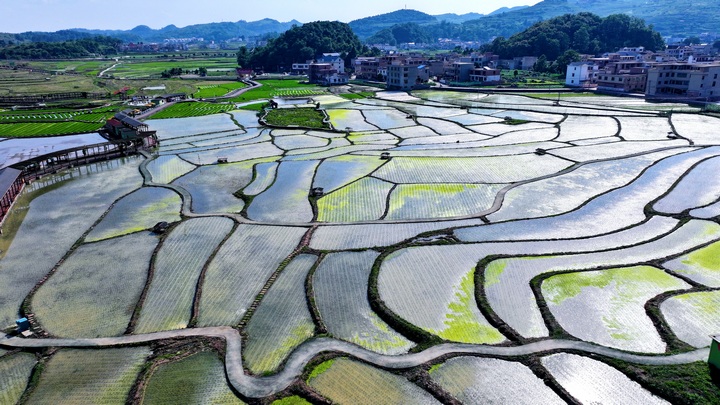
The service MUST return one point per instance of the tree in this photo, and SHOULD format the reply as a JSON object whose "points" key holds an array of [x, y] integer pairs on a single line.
{"points": [[716, 45], [581, 39], [202, 71], [541, 65], [243, 57], [692, 40], [565, 59]]}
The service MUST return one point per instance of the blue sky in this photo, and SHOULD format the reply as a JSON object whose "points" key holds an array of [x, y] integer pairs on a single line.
{"points": [[53, 15]]}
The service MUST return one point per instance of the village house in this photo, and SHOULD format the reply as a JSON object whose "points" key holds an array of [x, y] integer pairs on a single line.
{"points": [[682, 79], [626, 74], [581, 74], [406, 77], [460, 71], [485, 75]]}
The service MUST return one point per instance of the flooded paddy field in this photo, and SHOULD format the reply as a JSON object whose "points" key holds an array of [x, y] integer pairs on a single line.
{"points": [[429, 247]]}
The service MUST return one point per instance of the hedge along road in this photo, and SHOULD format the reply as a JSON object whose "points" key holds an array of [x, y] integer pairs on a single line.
{"points": [[259, 387]]}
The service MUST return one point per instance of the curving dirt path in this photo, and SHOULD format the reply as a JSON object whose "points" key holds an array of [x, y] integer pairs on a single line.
{"points": [[259, 387]]}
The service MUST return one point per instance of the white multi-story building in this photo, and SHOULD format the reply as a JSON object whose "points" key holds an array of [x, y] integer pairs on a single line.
{"points": [[581, 74]]}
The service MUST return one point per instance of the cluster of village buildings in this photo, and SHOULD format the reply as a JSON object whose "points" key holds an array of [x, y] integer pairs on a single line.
{"points": [[679, 71], [406, 71]]}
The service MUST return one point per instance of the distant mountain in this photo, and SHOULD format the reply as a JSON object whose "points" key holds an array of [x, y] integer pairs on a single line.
{"points": [[459, 18], [681, 18], [506, 9], [142, 33], [210, 32], [368, 26]]}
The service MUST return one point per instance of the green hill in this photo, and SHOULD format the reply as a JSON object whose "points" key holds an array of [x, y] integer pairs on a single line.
{"points": [[669, 17], [680, 18], [368, 26]]}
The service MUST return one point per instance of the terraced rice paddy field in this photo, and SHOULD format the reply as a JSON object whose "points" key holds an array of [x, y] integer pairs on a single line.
{"points": [[424, 249]]}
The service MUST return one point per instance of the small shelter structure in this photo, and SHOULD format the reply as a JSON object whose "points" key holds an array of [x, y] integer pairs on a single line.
{"points": [[714, 357]]}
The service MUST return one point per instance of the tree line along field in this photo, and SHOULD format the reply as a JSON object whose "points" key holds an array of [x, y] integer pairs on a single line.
{"points": [[576, 275]]}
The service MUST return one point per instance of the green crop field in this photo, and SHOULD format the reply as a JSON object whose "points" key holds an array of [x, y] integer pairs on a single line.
{"points": [[29, 129], [133, 69], [191, 109], [217, 90], [20, 124], [280, 88], [304, 117]]}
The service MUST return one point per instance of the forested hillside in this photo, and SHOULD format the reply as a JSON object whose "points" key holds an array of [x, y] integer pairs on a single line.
{"points": [[584, 33], [79, 48], [306, 42]]}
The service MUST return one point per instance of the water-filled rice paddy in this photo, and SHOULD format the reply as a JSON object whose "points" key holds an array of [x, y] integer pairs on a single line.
{"points": [[86, 193], [345, 381], [693, 316], [587, 206], [477, 380], [15, 373], [178, 264], [137, 211], [241, 268], [591, 381], [608, 306], [197, 379], [340, 287], [94, 292], [89, 376]]}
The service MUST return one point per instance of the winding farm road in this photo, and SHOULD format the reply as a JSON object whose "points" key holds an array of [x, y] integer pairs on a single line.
{"points": [[258, 387]]}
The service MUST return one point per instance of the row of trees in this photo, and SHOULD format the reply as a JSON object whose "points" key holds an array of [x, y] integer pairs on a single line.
{"points": [[79, 48], [176, 71]]}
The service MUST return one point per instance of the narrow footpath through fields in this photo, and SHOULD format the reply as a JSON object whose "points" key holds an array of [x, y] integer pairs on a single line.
{"points": [[258, 387]]}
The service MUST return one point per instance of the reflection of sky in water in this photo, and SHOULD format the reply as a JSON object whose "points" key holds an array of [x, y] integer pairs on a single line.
{"points": [[16, 150]]}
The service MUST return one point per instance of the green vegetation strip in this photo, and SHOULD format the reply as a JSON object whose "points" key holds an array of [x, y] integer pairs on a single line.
{"points": [[279, 88], [302, 117], [217, 90], [32, 129], [193, 109]]}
